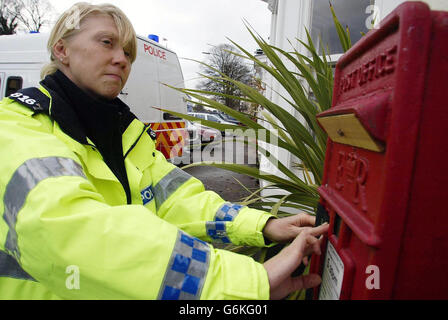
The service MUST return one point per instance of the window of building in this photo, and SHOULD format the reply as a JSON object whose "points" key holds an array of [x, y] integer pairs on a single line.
{"points": [[350, 13], [13, 84]]}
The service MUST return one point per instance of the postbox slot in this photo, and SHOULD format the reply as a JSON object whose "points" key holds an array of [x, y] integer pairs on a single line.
{"points": [[322, 215], [340, 233], [337, 225]]}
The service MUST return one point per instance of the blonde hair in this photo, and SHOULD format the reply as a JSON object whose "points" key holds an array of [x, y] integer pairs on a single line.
{"points": [[69, 23]]}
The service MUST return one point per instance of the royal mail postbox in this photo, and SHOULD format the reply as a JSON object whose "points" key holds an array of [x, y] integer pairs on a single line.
{"points": [[385, 184]]}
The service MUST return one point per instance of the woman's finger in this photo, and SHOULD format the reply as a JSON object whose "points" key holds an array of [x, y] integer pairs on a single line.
{"points": [[306, 220], [317, 231], [306, 281]]}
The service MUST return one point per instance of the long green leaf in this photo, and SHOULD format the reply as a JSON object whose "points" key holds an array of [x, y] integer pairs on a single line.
{"points": [[343, 35], [276, 207]]}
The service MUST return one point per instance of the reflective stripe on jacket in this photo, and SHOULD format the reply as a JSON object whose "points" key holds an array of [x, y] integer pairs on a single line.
{"points": [[67, 232]]}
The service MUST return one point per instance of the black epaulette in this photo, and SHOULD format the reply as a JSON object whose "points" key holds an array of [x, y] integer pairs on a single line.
{"points": [[32, 98], [152, 134]]}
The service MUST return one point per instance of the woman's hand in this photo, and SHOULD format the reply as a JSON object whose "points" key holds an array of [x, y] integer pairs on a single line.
{"points": [[280, 267], [287, 229]]}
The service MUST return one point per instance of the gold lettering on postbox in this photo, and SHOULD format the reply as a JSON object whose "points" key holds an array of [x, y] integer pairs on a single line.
{"points": [[351, 177]]}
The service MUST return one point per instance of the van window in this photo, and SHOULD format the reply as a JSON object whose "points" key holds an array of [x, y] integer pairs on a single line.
{"points": [[13, 84], [213, 118]]}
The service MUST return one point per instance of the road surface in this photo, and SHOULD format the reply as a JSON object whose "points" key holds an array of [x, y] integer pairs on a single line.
{"points": [[223, 182]]}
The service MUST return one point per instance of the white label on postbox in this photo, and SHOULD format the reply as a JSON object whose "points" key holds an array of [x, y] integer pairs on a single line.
{"points": [[332, 276]]}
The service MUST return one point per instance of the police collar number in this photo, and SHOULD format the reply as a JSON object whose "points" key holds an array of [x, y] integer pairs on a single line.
{"points": [[32, 98]]}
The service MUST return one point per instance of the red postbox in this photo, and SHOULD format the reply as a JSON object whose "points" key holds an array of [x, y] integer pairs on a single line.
{"points": [[385, 184]]}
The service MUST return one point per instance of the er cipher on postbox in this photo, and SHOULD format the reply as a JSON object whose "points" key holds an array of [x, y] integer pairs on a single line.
{"points": [[385, 184]]}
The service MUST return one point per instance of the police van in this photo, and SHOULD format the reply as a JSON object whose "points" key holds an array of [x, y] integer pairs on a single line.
{"points": [[23, 56]]}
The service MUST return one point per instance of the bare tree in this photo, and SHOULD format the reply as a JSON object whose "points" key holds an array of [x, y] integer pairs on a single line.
{"points": [[35, 14], [222, 59], [9, 16]]}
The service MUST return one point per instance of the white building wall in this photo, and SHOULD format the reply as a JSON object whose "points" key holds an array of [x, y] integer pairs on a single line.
{"points": [[285, 26]]}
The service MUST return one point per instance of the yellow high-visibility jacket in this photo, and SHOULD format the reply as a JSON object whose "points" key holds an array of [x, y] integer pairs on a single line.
{"points": [[67, 232]]}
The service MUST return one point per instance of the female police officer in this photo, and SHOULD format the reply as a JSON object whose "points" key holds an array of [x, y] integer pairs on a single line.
{"points": [[75, 163]]}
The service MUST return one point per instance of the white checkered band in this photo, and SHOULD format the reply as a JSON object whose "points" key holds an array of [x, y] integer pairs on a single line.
{"points": [[187, 269], [217, 229]]}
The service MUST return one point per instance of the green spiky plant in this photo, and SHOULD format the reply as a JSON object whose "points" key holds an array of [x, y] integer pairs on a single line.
{"points": [[302, 138]]}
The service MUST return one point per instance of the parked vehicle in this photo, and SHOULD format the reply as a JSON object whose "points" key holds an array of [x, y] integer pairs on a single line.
{"points": [[199, 134], [23, 56], [227, 118], [210, 117], [199, 137]]}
